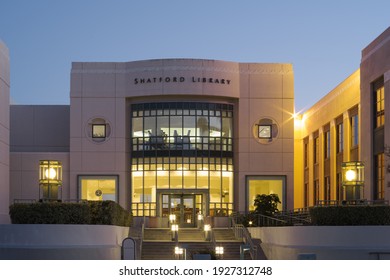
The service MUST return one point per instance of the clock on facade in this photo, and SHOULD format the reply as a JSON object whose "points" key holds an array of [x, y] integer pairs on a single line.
{"points": [[265, 131]]}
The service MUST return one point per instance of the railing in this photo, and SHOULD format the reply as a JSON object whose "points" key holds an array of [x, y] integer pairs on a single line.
{"points": [[241, 232], [351, 202], [24, 200], [142, 240]]}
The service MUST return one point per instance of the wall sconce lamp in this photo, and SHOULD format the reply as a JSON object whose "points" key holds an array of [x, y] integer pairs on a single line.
{"points": [[352, 179], [50, 179]]}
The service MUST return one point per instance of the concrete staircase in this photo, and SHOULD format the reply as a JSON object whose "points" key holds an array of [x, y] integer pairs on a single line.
{"points": [[158, 245], [165, 250]]}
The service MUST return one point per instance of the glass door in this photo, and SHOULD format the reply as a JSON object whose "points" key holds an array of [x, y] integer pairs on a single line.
{"points": [[183, 207]]}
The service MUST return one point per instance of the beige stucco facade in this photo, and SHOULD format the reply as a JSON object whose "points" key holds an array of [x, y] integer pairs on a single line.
{"points": [[366, 143], [333, 109], [375, 66], [305, 152], [106, 91]]}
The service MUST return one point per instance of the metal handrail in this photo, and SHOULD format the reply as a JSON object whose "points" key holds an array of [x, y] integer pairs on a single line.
{"points": [[355, 202], [142, 239], [241, 232]]}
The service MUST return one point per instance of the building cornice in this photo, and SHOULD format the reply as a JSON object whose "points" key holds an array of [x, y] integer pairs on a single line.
{"points": [[278, 70]]}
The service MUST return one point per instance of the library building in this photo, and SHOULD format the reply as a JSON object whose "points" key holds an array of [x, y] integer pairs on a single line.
{"points": [[197, 137]]}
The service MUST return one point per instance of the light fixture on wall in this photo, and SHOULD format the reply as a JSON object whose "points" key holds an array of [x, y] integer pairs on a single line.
{"points": [[352, 180], [50, 179]]}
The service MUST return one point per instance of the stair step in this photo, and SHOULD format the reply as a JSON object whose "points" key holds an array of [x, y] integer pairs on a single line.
{"points": [[165, 250]]}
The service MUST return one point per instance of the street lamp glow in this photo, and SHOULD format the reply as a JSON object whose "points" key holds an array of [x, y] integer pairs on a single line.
{"points": [[50, 173], [175, 227], [172, 218], [178, 251], [350, 175], [219, 250]]}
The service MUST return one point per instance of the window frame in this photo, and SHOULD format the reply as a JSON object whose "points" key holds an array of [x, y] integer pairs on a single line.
{"points": [[96, 125]]}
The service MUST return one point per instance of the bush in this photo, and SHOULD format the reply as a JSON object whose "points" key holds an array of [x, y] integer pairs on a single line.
{"points": [[350, 215], [266, 204], [92, 212]]}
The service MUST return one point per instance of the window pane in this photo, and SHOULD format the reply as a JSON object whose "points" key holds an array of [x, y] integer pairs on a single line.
{"points": [[98, 188], [215, 186], [265, 185], [98, 131]]}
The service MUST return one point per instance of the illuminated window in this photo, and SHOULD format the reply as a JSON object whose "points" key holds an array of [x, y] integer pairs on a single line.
{"points": [[98, 188], [265, 131], [98, 131], [379, 191], [265, 185], [379, 99], [181, 147]]}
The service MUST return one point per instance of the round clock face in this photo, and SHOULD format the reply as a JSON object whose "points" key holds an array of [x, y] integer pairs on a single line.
{"points": [[98, 193]]}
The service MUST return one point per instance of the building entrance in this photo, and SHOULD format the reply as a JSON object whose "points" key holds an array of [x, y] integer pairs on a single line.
{"points": [[185, 207]]}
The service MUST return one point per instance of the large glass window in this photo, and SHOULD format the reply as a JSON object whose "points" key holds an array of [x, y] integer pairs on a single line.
{"points": [[182, 146], [266, 185], [98, 187]]}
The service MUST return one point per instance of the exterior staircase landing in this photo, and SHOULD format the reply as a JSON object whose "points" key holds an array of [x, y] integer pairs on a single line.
{"points": [[158, 245]]}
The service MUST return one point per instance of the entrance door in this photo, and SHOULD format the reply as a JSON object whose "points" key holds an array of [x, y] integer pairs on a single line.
{"points": [[183, 207]]}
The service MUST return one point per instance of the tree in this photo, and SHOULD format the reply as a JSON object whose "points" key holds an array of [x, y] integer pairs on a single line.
{"points": [[266, 204]]}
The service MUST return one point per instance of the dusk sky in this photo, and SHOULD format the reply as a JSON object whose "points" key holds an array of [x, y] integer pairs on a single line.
{"points": [[322, 39]]}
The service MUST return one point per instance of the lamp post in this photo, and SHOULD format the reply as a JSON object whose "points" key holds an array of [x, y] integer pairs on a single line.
{"points": [[207, 230], [352, 180], [175, 232], [172, 219], [180, 253], [50, 179], [219, 251], [200, 220]]}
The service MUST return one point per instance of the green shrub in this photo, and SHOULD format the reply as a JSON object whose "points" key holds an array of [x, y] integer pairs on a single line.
{"points": [[93, 212], [350, 215]]}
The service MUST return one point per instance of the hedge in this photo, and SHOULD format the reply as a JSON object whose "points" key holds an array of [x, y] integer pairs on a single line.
{"points": [[350, 215], [91, 212]]}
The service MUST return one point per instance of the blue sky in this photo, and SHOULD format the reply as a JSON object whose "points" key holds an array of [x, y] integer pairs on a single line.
{"points": [[322, 39]]}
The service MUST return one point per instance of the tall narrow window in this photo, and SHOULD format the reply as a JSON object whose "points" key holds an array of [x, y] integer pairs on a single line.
{"points": [[379, 98], [306, 195], [327, 188], [354, 131], [379, 192], [339, 187], [316, 150], [316, 192], [339, 138], [327, 144], [306, 154]]}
